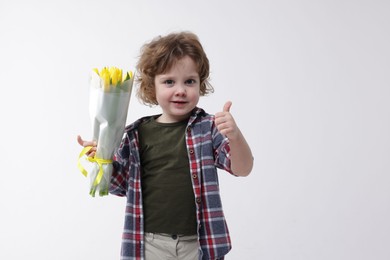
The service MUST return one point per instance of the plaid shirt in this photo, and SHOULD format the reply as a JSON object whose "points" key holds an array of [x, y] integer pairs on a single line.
{"points": [[207, 149]]}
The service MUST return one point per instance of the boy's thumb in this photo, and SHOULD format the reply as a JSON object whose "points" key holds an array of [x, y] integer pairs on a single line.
{"points": [[226, 107]]}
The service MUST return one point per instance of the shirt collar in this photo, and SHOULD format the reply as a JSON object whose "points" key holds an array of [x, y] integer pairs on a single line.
{"points": [[194, 114]]}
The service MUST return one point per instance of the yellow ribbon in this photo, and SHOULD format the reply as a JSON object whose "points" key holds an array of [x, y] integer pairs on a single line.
{"points": [[99, 161]]}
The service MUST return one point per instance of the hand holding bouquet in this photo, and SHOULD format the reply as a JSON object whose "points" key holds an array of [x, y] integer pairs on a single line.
{"points": [[110, 93]]}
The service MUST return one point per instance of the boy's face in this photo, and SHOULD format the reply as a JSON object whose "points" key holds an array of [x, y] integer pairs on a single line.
{"points": [[177, 91]]}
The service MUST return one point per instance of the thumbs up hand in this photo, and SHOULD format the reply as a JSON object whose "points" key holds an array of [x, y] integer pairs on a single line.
{"points": [[240, 153], [225, 122]]}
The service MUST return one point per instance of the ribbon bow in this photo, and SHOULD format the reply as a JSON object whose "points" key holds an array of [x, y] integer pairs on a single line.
{"points": [[99, 161]]}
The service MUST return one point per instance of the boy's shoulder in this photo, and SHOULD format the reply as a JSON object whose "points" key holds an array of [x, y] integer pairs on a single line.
{"points": [[202, 115], [202, 121]]}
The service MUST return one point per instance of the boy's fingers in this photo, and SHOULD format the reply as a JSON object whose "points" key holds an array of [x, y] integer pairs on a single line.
{"points": [[85, 143], [80, 140]]}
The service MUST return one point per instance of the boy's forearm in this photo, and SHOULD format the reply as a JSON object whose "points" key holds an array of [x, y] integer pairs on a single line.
{"points": [[241, 156]]}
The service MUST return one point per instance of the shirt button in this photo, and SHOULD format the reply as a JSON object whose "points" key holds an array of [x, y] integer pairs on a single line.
{"points": [[198, 200], [174, 237], [191, 151], [194, 176]]}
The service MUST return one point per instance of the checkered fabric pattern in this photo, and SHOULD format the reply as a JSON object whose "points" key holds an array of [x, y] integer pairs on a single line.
{"points": [[207, 150]]}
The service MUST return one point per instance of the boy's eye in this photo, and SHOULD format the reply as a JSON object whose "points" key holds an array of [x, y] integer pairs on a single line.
{"points": [[169, 82], [190, 81]]}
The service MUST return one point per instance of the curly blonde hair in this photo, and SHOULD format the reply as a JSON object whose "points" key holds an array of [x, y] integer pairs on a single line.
{"points": [[159, 55]]}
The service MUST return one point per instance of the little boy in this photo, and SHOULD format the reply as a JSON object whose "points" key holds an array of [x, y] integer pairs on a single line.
{"points": [[167, 164]]}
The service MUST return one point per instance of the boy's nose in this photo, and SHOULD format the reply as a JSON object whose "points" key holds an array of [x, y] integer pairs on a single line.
{"points": [[180, 90]]}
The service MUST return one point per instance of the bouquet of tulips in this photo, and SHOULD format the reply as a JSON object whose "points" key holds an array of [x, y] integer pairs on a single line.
{"points": [[110, 92]]}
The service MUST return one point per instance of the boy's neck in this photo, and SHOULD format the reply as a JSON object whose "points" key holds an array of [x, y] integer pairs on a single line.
{"points": [[166, 119]]}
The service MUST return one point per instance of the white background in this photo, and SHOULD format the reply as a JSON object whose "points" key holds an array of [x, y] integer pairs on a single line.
{"points": [[310, 86]]}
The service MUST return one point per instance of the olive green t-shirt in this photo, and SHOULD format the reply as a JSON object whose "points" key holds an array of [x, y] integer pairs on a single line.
{"points": [[168, 197]]}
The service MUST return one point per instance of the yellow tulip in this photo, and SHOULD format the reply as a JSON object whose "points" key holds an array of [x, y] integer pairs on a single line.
{"points": [[116, 75], [105, 76], [112, 76]]}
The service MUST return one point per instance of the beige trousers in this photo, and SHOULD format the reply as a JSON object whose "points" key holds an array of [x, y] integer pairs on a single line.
{"points": [[166, 247]]}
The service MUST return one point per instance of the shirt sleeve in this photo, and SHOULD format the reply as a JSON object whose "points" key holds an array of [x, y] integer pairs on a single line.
{"points": [[221, 150], [120, 169]]}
